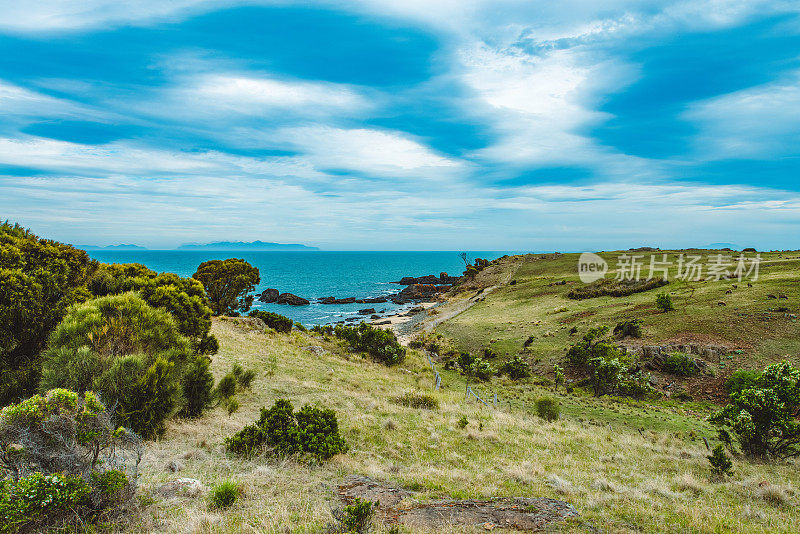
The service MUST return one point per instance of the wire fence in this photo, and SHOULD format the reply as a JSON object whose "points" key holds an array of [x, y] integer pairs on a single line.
{"points": [[469, 392], [435, 372]]}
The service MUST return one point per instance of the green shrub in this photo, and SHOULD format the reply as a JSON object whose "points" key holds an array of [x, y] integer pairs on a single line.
{"points": [[597, 357], [489, 353], [741, 379], [418, 400], [231, 405], [629, 328], [548, 408], [558, 375], [310, 430], [721, 465], [228, 284], [39, 280], [277, 322], [224, 495], [226, 387], [355, 518], [198, 387], [516, 368], [38, 500], [244, 377], [664, 302], [764, 416], [463, 422], [680, 364], [381, 344]]}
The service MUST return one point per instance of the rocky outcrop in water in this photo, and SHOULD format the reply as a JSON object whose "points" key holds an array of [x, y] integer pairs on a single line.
{"points": [[430, 279], [269, 295], [419, 293], [292, 300]]}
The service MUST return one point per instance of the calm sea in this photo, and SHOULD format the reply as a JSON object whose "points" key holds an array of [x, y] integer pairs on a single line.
{"points": [[313, 274]]}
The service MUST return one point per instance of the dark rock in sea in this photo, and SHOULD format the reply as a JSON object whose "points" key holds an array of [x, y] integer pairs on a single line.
{"points": [[430, 279], [334, 300], [375, 300], [269, 295], [366, 311], [375, 316], [379, 323], [292, 300]]}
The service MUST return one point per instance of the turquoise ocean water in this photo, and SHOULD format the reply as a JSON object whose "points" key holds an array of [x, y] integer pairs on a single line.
{"points": [[313, 274]]}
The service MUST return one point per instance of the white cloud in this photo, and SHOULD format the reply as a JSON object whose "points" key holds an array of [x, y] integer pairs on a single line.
{"points": [[373, 152], [757, 122]]}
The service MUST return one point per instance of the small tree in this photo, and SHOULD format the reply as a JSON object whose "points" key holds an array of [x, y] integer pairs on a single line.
{"points": [[228, 284], [721, 465], [558, 373], [664, 302], [516, 368], [597, 357], [764, 417]]}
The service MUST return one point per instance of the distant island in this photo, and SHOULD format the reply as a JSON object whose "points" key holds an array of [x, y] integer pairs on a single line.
{"points": [[111, 247], [240, 245]]}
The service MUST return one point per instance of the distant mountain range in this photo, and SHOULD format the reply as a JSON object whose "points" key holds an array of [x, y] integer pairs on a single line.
{"points": [[240, 245]]}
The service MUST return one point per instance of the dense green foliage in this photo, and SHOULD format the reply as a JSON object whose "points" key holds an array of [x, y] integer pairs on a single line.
{"points": [[244, 377], [277, 322], [629, 328], [471, 366], [720, 463], [741, 379], [381, 344], [548, 408], [184, 298], [198, 387], [664, 302], [355, 518], [418, 400], [38, 499], [128, 352], [39, 280], [479, 265], [224, 495], [228, 284], [603, 362], [516, 368], [680, 364], [764, 415], [310, 430]]}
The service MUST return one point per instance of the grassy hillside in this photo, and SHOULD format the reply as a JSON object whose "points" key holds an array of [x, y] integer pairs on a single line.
{"points": [[744, 320], [626, 466]]}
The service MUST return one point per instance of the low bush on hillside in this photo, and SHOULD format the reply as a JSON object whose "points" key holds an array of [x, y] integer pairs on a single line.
{"points": [[281, 430], [548, 408], [418, 400], [132, 355], [471, 366], [680, 364], [763, 416], [380, 344], [354, 518], [198, 387], [62, 462], [516, 368], [629, 328], [741, 379], [277, 322], [721, 465], [479, 265], [664, 302], [224, 495], [614, 288], [244, 377]]}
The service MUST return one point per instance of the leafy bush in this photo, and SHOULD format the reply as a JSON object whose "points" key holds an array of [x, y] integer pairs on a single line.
{"points": [[614, 288], [275, 321], [629, 328], [228, 284], [355, 518], [764, 416], [418, 400], [224, 495], [65, 461], [310, 430], [558, 375], [244, 377], [125, 350], [548, 408], [39, 280], [664, 302], [741, 379], [598, 358], [463, 422], [680, 364], [184, 298], [381, 344], [721, 465], [516, 368], [226, 387], [198, 387]]}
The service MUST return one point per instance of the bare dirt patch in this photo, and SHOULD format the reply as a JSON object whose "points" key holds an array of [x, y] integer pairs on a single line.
{"points": [[398, 506]]}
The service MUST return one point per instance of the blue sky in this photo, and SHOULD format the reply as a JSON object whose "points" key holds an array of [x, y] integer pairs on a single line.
{"points": [[470, 124]]}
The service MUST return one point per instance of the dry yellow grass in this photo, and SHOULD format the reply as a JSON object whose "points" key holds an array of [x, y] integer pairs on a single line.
{"points": [[619, 480]]}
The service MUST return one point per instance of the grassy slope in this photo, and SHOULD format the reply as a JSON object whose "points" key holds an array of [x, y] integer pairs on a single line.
{"points": [[511, 313], [620, 480]]}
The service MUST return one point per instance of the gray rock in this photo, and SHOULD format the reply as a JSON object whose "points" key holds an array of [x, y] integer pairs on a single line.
{"points": [[269, 295], [182, 487]]}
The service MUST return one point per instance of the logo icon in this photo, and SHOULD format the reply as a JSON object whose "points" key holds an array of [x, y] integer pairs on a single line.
{"points": [[591, 267]]}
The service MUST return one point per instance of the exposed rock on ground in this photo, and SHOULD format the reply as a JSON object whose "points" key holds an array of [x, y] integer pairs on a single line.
{"points": [[397, 506], [430, 279], [419, 292]]}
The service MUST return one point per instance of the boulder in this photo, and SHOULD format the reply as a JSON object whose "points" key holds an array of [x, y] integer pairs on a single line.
{"points": [[181, 487], [366, 311], [418, 292], [269, 295], [334, 300], [292, 300]]}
